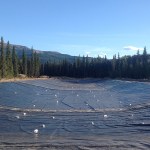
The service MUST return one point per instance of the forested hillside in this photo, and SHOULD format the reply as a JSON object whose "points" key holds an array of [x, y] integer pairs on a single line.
{"points": [[12, 64], [136, 67], [44, 56]]}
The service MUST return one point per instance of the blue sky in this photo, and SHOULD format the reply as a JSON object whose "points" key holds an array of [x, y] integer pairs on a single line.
{"points": [[93, 27]]}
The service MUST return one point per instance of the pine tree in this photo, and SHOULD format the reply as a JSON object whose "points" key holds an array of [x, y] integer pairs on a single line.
{"points": [[114, 62], [2, 58], [32, 63], [15, 62], [138, 52], [36, 65], [9, 65], [29, 67], [145, 63], [24, 63]]}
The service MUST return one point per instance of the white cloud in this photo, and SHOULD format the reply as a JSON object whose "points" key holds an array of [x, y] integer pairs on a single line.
{"points": [[98, 51], [88, 53], [132, 48], [90, 50]]}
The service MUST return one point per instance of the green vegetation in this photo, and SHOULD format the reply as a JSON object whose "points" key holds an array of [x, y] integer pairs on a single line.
{"points": [[134, 67], [11, 65], [2, 60], [30, 64], [14, 63]]}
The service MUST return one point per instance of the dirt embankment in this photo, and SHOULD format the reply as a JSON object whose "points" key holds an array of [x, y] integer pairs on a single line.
{"points": [[22, 79], [46, 77]]}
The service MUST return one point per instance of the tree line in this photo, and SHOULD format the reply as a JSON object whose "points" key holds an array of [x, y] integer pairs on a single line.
{"points": [[135, 67], [13, 66]]}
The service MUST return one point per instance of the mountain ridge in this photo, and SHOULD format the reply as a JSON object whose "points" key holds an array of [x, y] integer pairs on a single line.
{"points": [[43, 54]]}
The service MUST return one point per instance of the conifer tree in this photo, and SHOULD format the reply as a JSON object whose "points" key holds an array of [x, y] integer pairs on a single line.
{"points": [[9, 65], [2, 60], [114, 66], [36, 65], [32, 63], [145, 63], [24, 63], [15, 62]]}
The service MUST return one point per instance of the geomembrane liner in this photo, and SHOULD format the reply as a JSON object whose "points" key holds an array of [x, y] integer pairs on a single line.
{"points": [[60, 113]]}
